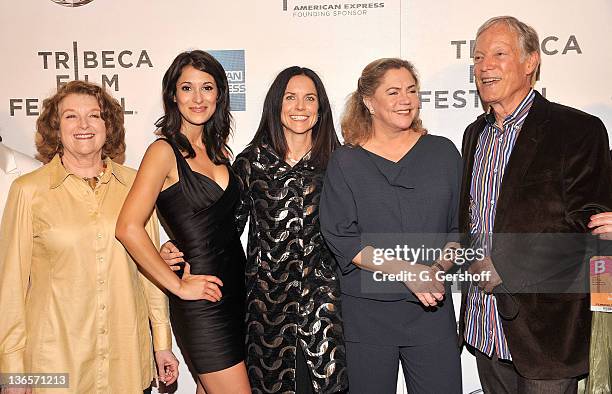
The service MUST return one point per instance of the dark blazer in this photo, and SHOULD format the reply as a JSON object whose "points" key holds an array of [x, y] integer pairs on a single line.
{"points": [[558, 176]]}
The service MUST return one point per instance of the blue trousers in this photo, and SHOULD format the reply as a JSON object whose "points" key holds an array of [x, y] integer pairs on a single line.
{"points": [[432, 368]]}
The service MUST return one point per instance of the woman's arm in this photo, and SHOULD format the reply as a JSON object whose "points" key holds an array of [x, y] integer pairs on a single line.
{"points": [[16, 238], [340, 228], [242, 168], [139, 204], [157, 302]]}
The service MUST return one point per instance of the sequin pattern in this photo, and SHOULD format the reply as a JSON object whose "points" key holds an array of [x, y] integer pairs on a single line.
{"points": [[292, 286]]}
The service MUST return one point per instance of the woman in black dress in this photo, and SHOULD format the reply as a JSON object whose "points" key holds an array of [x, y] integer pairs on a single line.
{"points": [[294, 327], [188, 176], [393, 184]]}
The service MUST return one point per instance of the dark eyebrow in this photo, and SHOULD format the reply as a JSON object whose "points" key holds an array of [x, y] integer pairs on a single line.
{"points": [[191, 83]]}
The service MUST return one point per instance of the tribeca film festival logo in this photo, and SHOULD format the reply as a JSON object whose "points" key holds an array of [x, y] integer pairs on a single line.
{"points": [[308, 9], [460, 98], [77, 65], [74, 3]]}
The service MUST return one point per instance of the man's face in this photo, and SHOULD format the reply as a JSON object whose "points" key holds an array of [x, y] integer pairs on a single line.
{"points": [[503, 76]]}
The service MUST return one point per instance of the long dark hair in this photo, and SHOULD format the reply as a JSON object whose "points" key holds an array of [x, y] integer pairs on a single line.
{"points": [[218, 128], [270, 128]]}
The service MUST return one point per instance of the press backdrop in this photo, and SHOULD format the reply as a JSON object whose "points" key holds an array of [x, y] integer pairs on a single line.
{"points": [[127, 46]]}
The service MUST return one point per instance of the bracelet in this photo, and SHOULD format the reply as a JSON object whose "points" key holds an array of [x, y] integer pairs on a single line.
{"points": [[438, 266]]}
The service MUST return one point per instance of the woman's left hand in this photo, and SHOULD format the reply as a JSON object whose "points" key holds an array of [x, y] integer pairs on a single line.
{"points": [[601, 224], [167, 366]]}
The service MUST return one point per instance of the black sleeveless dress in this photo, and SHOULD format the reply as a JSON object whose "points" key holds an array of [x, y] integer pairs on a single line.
{"points": [[199, 216]]}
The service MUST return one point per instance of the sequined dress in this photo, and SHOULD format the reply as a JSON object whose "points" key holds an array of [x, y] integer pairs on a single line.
{"points": [[292, 286]]}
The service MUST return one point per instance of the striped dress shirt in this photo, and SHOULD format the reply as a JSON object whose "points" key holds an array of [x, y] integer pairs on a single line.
{"points": [[483, 329]]}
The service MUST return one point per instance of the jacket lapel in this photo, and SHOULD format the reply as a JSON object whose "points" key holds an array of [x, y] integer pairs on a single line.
{"points": [[524, 151]]}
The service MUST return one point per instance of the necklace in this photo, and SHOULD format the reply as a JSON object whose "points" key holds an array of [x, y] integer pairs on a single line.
{"points": [[94, 180], [294, 161], [91, 181]]}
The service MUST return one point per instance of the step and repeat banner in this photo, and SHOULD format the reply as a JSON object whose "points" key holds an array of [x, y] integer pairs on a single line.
{"points": [[127, 46]]}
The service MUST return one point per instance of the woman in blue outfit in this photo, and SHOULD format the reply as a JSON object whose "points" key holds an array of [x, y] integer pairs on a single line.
{"points": [[187, 175], [393, 184]]}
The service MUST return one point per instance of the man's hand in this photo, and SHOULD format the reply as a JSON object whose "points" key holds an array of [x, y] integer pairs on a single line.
{"points": [[171, 255], [482, 267], [167, 366], [602, 225]]}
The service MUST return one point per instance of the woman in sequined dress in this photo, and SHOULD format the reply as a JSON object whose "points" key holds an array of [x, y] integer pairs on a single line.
{"points": [[294, 326]]}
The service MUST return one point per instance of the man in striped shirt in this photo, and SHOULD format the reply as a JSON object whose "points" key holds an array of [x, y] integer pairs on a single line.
{"points": [[530, 166]]}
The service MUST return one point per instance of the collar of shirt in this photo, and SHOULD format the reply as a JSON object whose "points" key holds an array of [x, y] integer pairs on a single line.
{"points": [[278, 167], [516, 116], [7, 160], [59, 172]]}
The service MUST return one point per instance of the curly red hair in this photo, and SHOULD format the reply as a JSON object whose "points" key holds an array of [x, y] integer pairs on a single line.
{"points": [[48, 142]]}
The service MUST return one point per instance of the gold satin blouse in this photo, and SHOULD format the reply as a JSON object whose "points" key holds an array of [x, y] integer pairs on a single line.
{"points": [[71, 299]]}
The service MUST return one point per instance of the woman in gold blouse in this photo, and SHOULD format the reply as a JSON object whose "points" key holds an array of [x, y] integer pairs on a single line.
{"points": [[72, 300]]}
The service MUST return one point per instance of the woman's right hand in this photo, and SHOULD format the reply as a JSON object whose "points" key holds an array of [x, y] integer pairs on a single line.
{"points": [[199, 287], [424, 284], [171, 255]]}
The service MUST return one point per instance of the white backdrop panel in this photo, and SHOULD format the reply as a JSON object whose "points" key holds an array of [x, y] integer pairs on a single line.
{"points": [[129, 45]]}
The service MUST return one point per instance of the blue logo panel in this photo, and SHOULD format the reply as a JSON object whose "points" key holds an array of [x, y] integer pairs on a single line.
{"points": [[233, 63]]}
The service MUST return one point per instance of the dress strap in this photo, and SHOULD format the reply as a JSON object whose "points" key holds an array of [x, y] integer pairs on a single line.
{"points": [[184, 171], [199, 190]]}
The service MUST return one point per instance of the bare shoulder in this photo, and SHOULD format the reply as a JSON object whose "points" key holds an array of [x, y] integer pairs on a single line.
{"points": [[159, 154], [160, 148], [159, 164]]}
